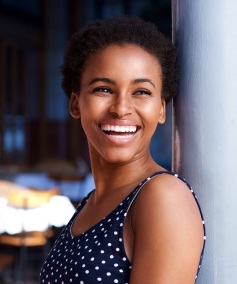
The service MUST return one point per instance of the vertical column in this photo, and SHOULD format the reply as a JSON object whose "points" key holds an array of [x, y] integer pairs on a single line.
{"points": [[56, 35], [2, 99], [205, 129], [56, 23], [41, 63], [13, 105]]}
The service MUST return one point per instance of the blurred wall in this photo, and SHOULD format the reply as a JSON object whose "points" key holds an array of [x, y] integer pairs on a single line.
{"points": [[34, 118]]}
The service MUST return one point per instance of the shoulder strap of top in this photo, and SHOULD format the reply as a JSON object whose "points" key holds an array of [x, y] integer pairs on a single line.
{"points": [[138, 188], [135, 192]]}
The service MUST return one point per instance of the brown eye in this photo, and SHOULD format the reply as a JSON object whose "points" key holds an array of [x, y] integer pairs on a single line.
{"points": [[102, 90], [143, 92]]}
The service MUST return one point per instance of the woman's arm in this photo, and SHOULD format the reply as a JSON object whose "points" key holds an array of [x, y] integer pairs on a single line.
{"points": [[168, 233]]}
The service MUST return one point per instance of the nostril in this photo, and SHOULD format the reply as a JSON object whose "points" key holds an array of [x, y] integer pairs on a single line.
{"points": [[119, 110]]}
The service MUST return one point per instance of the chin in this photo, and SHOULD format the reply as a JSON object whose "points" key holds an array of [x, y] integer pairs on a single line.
{"points": [[118, 158]]}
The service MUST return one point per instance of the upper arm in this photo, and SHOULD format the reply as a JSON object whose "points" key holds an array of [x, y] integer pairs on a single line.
{"points": [[168, 233]]}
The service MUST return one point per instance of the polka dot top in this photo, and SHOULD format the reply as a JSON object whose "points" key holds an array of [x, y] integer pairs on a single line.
{"points": [[98, 255]]}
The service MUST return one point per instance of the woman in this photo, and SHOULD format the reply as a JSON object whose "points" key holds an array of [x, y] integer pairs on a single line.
{"points": [[141, 224]]}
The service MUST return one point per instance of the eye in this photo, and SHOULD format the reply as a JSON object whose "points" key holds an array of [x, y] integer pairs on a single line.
{"points": [[143, 92], [102, 90]]}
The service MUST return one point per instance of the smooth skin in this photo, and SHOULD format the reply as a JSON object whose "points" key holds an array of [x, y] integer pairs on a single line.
{"points": [[163, 232]]}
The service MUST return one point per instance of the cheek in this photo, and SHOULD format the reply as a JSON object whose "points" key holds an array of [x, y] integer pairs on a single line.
{"points": [[92, 105], [151, 111], [90, 113]]}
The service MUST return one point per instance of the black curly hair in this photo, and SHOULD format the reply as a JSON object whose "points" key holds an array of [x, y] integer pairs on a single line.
{"points": [[121, 30]]}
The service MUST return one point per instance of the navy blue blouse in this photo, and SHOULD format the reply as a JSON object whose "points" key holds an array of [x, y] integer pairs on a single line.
{"points": [[97, 255]]}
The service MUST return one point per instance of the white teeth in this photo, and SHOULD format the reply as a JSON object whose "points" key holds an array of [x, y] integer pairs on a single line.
{"points": [[123, 129], [117, 128]]}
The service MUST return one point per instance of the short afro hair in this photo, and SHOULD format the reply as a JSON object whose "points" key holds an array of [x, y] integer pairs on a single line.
{"points": [[120, 30]]}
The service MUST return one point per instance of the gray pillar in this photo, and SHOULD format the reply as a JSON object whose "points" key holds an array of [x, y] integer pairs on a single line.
{"points": [[205, 128]]}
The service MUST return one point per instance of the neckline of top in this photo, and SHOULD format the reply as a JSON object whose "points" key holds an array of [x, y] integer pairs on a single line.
{"points": [[109, 215]]}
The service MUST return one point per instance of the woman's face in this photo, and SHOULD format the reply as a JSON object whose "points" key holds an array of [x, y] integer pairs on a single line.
{"points": [[120, 103]]}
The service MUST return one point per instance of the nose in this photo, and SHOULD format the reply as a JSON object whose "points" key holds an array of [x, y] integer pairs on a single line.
{"points": [[121, 105]]}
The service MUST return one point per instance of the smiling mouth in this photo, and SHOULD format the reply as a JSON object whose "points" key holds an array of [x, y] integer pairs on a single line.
{"points": [[119, 131]]}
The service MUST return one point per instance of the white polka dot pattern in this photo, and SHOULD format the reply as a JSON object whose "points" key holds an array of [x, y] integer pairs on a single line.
{"points": [[98, 255]]}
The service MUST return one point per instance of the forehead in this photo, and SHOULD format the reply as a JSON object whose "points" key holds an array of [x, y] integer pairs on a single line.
{"points": [[125, 57]]}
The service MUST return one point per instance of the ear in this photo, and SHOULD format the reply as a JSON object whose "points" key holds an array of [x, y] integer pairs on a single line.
{"points": [[74, 106], [162, 113]]}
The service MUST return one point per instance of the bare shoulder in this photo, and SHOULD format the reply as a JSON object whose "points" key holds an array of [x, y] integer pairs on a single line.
{"points": [[169, 192], [168, 232]]}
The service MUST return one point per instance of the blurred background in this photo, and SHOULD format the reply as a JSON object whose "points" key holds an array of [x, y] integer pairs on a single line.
{"points": [[41, 147]]}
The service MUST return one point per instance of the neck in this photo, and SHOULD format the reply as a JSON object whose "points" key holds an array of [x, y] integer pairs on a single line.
{"points": [[120, 177]]}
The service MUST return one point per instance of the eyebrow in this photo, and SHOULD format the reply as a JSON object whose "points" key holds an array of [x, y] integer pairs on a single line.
{"points": [[144, 80], [110, 81], [104, 80]]}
